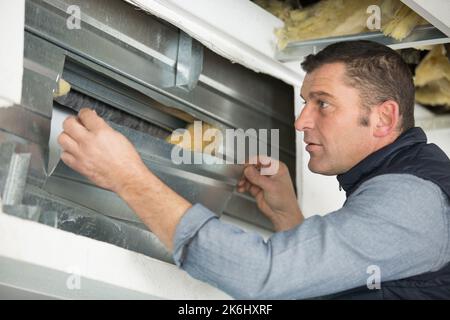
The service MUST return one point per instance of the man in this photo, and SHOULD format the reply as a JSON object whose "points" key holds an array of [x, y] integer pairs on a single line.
{"points": [[358, 124]]}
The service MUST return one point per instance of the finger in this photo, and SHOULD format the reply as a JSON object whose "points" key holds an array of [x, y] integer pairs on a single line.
{"points": [[261, 161], [241, 182], [69, 159], [90, 119], [269, 166], [74, 129], [262, 204], [241, 186], [67, 143], [254, 176], [264, 160], [254, 190]]}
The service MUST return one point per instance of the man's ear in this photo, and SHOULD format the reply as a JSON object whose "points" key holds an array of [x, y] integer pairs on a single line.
{"points": [[386, 118]]}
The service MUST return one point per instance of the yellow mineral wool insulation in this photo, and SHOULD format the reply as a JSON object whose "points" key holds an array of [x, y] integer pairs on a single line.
{"points": [[327, 18], [432, 78], [402, 24], [62, 89], [279, 9], [331, 18], [193, 140], [437, 93], [434, 66], [388, 10]]}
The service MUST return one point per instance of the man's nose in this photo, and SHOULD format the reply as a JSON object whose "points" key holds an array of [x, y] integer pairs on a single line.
{"points": [[305, 120]]}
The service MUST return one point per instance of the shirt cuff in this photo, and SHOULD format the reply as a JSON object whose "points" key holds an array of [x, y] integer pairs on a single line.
{"points": [[191, 222]]}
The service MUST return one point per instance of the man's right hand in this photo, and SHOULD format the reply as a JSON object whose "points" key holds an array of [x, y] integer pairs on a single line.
{"points": [[274, 195]]}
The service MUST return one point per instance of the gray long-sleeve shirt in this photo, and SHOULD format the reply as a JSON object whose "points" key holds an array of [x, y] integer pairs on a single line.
{"points": [[395, 222]]}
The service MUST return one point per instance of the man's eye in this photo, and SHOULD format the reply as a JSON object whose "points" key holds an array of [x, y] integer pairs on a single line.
{"points": [[323, 104]]}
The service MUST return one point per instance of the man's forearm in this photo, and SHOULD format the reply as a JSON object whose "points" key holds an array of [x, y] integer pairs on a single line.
{"points": [[108, 159], [158, 206]]}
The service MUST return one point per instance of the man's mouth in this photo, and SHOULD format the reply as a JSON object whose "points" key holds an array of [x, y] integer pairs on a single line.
{"points": [[310, 146]]}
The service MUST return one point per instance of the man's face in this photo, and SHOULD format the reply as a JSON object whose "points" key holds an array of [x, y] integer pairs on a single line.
{"points": [[332, 122]]}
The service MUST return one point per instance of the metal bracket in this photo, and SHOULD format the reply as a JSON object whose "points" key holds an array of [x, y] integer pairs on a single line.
{"points": [[14, 186], [189, 62]]}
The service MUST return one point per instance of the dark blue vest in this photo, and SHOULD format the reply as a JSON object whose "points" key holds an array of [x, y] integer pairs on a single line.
{"points": [[409, 154]]}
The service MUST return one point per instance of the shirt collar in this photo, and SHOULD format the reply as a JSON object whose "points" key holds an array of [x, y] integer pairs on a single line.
{"points": [[364, 168]]}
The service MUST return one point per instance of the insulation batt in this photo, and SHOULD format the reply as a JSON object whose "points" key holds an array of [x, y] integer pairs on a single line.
{"points": [[432, 78], [196, 142], [331, 18]]}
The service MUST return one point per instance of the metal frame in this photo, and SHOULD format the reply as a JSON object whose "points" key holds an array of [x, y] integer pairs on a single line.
{"points": [[422, 35]]}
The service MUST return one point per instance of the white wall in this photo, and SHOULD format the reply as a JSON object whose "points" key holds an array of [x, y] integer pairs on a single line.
{"points": [[440, 137], [12, 17], [42, 262]]}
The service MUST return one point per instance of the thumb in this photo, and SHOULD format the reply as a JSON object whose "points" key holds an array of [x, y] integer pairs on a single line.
{"points": [[256, 178], [90, 119]]}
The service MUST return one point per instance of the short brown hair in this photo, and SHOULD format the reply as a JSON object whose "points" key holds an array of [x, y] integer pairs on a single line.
{"points": [[377, 71]]}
